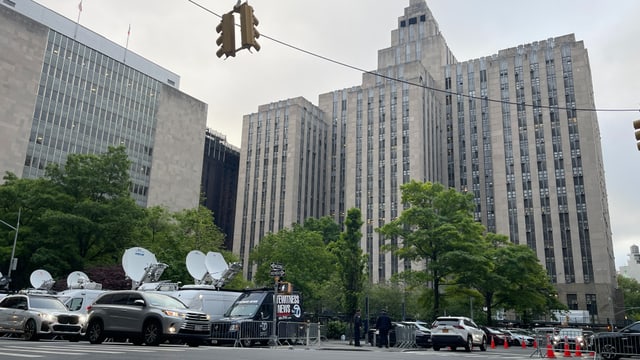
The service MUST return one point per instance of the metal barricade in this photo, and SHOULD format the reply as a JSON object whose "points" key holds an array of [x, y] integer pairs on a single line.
{"points": [[249, 333], [613, 345], [543, 338], [405, 336]]}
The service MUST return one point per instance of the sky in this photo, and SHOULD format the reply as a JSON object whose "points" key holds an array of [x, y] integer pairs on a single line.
{"points": [[180, 36]]}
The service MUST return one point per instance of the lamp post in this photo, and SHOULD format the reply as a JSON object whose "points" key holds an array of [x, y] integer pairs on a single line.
{"points": [[15, 239]]}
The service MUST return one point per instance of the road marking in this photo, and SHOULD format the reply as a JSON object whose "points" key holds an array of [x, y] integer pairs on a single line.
{"points": [[20, 355]]}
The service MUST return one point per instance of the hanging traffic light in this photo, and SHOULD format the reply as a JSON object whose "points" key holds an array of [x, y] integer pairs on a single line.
{"points": [[636, 125], [248, 23], [227, 38]]}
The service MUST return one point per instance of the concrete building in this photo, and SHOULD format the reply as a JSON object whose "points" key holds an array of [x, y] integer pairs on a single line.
{"points": [[632, 269], [220, 182], [513, 128], [71, 90]]}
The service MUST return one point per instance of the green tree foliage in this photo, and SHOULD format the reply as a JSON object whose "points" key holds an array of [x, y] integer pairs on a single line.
{"points": [[351, 261], [307, 262], [171, 236], [326, 226], [631, 292], [438, 228], [78, 215]]}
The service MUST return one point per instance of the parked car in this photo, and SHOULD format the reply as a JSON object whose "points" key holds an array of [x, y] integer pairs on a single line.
{"points": [[146, 317], [570, 336], [617, 344], [496, 336], [457, 331], [36, 316], [423, 334], [520, 336]]}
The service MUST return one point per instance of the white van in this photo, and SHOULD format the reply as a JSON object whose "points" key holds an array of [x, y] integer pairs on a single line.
{"points": [[79, 299], [212, 301]]}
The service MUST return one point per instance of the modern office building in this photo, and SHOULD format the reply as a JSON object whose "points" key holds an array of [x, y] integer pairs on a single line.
{"points": [[632, 269], [220, 181], [69, 90], [513, 128]]}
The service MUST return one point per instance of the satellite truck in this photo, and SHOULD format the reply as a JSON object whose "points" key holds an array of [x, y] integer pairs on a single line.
{"points": [[210, 272]]}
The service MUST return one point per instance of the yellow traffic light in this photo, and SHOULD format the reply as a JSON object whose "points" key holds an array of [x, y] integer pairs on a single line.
{"points": [[285, 288], [636, 125], [227, 38], [248, 22]]}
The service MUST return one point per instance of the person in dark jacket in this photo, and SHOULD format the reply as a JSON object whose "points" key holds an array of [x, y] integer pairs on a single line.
{"points": [[357, 323], [383, 325]]}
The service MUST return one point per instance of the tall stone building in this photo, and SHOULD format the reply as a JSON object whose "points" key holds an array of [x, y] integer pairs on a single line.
{"points": [[71, 90], [513, 128]]}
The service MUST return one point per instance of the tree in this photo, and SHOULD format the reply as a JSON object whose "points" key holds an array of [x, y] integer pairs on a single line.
{"points": [[438, 229], [351, 261], [307, 262], [631, 292], [326, 226]]}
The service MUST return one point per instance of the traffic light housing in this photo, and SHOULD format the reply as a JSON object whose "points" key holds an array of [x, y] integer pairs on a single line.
{"points": [[248, 23], [227, 38], [636, 125]]}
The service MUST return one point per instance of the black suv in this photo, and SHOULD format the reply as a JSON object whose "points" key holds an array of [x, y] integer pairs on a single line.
{"points": [[145, 317]]}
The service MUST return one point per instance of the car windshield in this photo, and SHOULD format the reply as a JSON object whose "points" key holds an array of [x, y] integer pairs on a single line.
{"points": [[246, 305], [165, 301], [40, 302]]}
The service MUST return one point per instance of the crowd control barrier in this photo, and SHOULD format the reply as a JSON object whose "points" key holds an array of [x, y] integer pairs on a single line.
{"points": [[249, 333]]}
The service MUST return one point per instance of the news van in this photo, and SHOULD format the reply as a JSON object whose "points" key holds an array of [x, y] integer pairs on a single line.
{"points": [[249, 321]]}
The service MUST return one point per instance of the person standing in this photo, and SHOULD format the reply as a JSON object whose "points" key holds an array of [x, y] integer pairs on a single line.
{"points": [[383, 325], [357, 323]]}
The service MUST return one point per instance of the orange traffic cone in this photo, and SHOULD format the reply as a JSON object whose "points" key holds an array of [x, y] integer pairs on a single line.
{"points": [[535, 343], [523, 343], [506, 343], [578, 352], [567, 352], [493, 343], [550, 353]]}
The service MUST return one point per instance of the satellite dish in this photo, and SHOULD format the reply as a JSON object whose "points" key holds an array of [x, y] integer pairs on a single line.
{"points": [[41, 279], [196, 266], [135, 261], [77, 279], [216, 265]]}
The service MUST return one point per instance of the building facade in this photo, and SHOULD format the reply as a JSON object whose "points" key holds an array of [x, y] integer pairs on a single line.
{"points": [[72, 91], [220, 182], [515, 129]]}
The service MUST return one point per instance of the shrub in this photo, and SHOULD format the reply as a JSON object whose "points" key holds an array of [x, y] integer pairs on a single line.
{"points": [[335, 329]]}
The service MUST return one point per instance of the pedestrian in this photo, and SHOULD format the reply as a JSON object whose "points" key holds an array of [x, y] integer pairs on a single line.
{"points": [[383, 325], [357, 323]]}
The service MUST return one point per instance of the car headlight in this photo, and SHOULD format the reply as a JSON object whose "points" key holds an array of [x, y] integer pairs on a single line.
{"points": [[82, 319], [47, 317], [208, 317], [173, 313]]}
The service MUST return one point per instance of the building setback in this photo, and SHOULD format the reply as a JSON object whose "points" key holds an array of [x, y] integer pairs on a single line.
{"points": [[72, 91], [513, 128]]}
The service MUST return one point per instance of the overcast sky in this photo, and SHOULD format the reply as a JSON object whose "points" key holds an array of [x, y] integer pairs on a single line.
{"points": [[180, 36]]}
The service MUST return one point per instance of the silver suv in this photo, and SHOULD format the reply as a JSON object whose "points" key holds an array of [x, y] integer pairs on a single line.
{"points": [[146, 317], [455, 331]]}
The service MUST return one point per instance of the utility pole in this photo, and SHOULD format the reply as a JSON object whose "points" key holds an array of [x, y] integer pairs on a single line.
{"points": [[12, 262]]}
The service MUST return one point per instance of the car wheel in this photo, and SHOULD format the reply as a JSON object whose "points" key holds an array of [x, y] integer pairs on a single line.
{"points": [[469, 344], [95, 333], [193, 343], [436, 348], [483, 345], [608, 352], [247, 343], [30, 332], [151, 333]]}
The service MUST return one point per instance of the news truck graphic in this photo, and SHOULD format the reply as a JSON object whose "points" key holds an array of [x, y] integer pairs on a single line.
{"points": [[288, 307]]}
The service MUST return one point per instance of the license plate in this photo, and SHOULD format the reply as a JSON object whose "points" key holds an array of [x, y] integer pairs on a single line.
{"points": [[201, 327], [445, 330]]}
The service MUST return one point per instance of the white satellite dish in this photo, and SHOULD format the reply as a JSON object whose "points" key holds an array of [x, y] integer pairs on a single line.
{"points": [[77, 279], [196, 266], [41, 279], [216, 265], [135, 261]]}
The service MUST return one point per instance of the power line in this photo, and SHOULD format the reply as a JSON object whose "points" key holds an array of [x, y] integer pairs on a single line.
{"points": [[403, 81]]}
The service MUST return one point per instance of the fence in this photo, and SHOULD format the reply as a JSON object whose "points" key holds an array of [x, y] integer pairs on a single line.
{"points": [[543, 337], [614, 345], [249, 333]]}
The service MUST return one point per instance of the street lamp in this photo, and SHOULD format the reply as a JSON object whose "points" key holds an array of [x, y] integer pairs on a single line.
{"points": [[15, 239]]}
